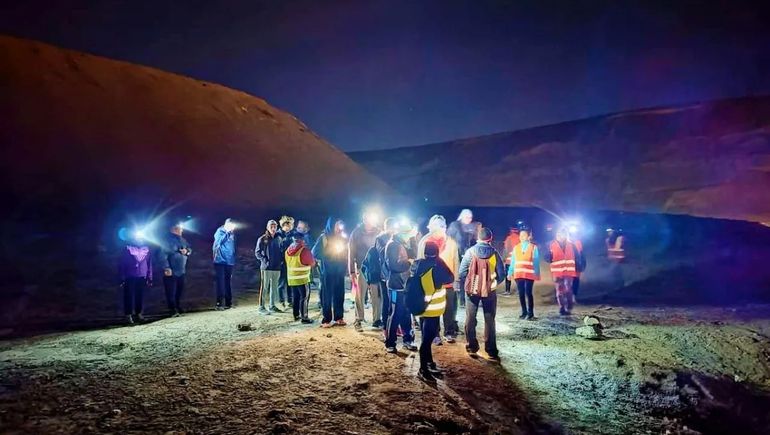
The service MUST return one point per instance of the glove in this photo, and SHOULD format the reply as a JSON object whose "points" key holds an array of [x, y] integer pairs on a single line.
{"points": [[149, 282]]}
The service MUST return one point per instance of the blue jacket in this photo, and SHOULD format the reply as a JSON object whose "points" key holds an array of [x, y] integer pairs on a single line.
{"points": [[326, 250], [269, 253], [224, 247], [535, 259], [481, 250], [171, 258]]}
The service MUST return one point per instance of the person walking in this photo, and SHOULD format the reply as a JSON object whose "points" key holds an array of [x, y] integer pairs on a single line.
{"points": [[378, 256], [509, 243], [330, 249], [434, 275], [525, 270], [464, 231], [299, 263], [564, 257], [361, 240], [174, 253], [397, 266], [135, 270], [581, 261], [268, 252], [481, 271], [224, 261], [448, 252]]}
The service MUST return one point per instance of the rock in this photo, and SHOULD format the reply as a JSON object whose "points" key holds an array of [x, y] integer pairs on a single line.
{"points": [[362, 385], [342, 355], [329, 335], [244, 327], [590, 332], [116, 412], [313, 339], [591, 321]]}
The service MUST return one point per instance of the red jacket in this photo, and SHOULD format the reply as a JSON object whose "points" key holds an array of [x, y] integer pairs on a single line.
{"points": [[305, 257]]}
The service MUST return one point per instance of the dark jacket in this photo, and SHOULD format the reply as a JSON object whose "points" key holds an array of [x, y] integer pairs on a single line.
{"points": [[396, 263], [135, 262], [481, 250], [380, 242], [441, 273], [360, 242], [286, 239], [331, 250], [171, 258], [268, 252], [464, 235], [224, 247]]}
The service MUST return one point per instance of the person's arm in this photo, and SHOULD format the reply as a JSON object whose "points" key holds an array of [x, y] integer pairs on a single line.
{"points": [[500, 268], [398, 259], [165, 250], [258, 250], [306, 257], [187, 247], [465, 264], [353, 251], [318, 248], [442, 274], [218, 239], [548, 255], [536, 261], [149, 269], [421, 248]]}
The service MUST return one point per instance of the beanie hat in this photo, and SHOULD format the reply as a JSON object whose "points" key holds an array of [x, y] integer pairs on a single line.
{"points": [[436, 222], [485, 234], [271, 222], [431, 249]]}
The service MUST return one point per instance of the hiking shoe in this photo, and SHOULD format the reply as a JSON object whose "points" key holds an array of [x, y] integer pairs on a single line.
{"points": [[276, 309], [391, 349], [450, 339], [296, 318], [326, 325], [523, 316], [263, 310], [438, 341], [563, 312], [472, 353], [227, 307], [358, 327], [177, 313], [377, 324], [307, 321], [493, 358], [410, 347], [531, 317], [140, 318], [341, 322], [130, 319], [219, 308], [426, 376]]}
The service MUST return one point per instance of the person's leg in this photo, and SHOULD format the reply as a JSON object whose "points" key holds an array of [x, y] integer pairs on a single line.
{"points": [[304, 301], [405, 319], [128, 297], [141, 284], [530, 284], [462, 298], [558, 284], [489, 305], [507, 285], [575, 286], [521, 288], [275, 285], [180, 288], [392, 324], [219, 270], [450, 315], [338, 303], [471, 308], [228, 286], [296, 300], [374, 291], [169, 287], [359, 297], [326, 300], [386, 304], [568, 295]]}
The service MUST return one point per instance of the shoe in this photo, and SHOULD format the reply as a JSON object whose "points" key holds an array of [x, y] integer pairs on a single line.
{"points": [[357, 326], [523, 316], [391, 349], [377, 324], [416, 326], [493, 358], [227, 307], [450, 339], [296, 318], [140, 318], [435, 371], [262, 310], [472, 353], [563, 312], [531, 317], [426, 376], [276, 309], [341, 322], [307, 321], [130, 319], [438, 341], [410, 347], [326, 325], [219, 308], [177, 313]]}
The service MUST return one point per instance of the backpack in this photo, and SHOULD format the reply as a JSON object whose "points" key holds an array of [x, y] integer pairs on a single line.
{"points": [[371, 267], [481, 275], [415, 293]]}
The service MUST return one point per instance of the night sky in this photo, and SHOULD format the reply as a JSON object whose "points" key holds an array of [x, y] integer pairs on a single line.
{"points": [[369, 75]]}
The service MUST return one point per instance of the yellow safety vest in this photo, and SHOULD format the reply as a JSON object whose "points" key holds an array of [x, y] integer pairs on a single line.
{"points": [[435, 297], [296, 272]]}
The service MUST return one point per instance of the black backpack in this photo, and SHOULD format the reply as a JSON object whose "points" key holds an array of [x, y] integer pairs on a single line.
{"points": [[415, 294], [372, 266]]}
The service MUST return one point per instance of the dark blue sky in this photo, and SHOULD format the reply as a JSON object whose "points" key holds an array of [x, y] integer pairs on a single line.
{"points": [[382, 74]]}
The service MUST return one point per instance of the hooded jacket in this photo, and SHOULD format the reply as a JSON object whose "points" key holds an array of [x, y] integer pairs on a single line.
{"points": [[305, 255], [481, 250], [361, 240], [268, 252], [397, 263], [224, 247], [326, 250], [135, 262]]}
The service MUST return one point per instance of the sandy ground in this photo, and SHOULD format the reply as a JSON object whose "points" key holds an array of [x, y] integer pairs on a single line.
{"points": [[676, 370]]}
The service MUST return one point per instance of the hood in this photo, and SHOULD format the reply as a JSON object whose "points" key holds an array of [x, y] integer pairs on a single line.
{"points": [[484, 250], [295, 247]]}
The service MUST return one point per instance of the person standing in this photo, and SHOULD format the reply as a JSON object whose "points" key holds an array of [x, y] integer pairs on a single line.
{"points": [[616, 250], [397, 266], [525, 270], [224, 261], [464, 231], [299, 263], [135, 271], [563, 257], [285, 235], [448, 252], [481, 270], [434, 276], [391, 228], [510, 242], [174, 256], [361, 240], [581, 262], [268, 252], [330, 249]]}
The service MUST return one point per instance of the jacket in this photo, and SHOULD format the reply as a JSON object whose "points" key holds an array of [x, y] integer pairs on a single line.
{"points": [[396, 263], [299, 260], [171, 258], [331, 250], [435, 295], [268, 252], [361, 240], [379, 244], [135, 262], [447, 250], [481, 250], [464, 235], [286, 239], [224, 247]]}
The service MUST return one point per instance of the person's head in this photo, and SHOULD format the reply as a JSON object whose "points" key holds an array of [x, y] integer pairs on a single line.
{"points": [[405, 230], [229, 225], [297, 237], [391, 225], [372, 219], [485, 235], [339, 227], [524, 235], [287, 223], [177, 229], [272, 227], [431, 250], [466, 217], [437, 224], [303, 227], [562, 234]]}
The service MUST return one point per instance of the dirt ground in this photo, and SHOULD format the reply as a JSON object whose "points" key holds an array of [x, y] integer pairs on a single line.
{"points": [[659, 370]]}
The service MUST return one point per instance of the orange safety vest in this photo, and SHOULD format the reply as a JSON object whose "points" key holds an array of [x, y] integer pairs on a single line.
{"points": [[616, 252], [563, 263], [523, 262]]}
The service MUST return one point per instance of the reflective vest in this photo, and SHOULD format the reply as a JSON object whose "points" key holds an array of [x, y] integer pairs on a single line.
{"points": [[523, 262], [296, 272], [616, 252], [563, 264], [435, 297]]}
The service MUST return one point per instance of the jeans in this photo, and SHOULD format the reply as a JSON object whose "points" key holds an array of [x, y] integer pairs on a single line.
{"points": [[333, 300], [507, 285], [429, 327], [365, 288], [284, 294], [133, 295], [224, 275], [385, 295], [300, 299], [268, 295], [526, 298], [489, 306], [399, 316], [451, 328], [564, 293], [174, 287]]}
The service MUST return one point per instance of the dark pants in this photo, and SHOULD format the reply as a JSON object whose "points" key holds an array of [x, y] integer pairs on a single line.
{"points": [[333, 300], [133, 295], [450, 314], [575, 286], [300, 298], [174, 286], [284, 292], [507, 285], [461, 297], [385, 296], [399, 316], [489, 305], [429, 327], [224, 274], [526, 298]]}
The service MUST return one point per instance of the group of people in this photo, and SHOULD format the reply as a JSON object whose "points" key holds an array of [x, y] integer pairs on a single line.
{"points": [[453, 266]]}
